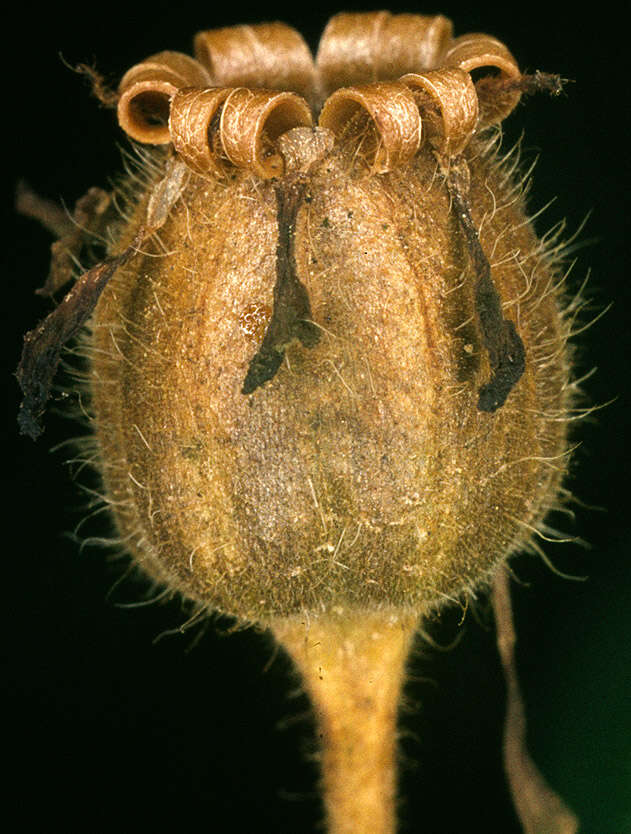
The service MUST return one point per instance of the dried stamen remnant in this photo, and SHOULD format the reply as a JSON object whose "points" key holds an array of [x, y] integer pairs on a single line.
{"points": [[504, 345], [90, 217], [292, 310], [42, 346], [527, 84]]}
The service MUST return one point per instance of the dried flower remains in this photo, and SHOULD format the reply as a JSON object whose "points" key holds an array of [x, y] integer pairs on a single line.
{"points": [[329, 372]]}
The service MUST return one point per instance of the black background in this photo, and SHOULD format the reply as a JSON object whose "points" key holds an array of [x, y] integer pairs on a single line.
{"points": [[107, 727]]}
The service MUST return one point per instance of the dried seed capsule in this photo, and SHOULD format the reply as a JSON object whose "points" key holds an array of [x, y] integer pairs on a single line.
{"points": [[381, 435], [326, 375], [363, 471], [328, 364]]}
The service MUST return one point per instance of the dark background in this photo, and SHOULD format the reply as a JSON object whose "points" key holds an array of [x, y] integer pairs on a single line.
{"points": [[107, 726]]}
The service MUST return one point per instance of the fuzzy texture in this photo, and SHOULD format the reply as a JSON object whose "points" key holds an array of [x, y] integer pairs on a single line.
{"points": [[353, 669], [328, 366], [363, 474]]}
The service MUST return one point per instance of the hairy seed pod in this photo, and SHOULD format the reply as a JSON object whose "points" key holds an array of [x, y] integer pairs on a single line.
{"points": [[364, 472], [288, 377], [328, 363], [329, 372]]}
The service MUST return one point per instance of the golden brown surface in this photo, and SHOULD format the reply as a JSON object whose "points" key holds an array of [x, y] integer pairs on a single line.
{"points": [[353, 669], [363, 473]]}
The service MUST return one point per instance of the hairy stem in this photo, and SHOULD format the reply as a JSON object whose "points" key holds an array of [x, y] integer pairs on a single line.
{"points": [[352, 665]]}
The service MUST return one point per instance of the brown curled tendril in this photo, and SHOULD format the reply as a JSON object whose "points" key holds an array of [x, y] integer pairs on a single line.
{"points": [[449, 104], [252, 121], [476, 53], [171, 97], [239, 126], [271, 55], [391, 111], [359, 48], [145, 92], [193, 113]]}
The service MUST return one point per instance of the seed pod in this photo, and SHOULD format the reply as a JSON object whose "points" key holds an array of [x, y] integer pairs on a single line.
{"points": [[329, 375], [332, 372]]}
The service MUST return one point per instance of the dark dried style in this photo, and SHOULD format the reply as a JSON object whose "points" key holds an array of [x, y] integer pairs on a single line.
{"points": [[292, 311]]}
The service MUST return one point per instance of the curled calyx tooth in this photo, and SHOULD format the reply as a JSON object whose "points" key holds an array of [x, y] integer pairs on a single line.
{"points": [[251, 84], [145, 92], [238, 126], [384, 118], [362, 47], [192, 115], [486, 56], [252, 121], [448, 104], [271, 55]]}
